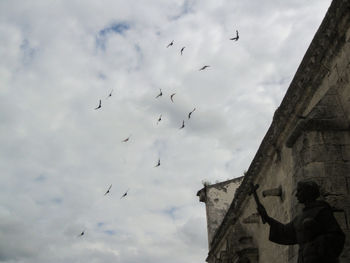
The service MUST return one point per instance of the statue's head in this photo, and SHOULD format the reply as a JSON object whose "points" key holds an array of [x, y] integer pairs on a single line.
{"points": [[307, 191]]}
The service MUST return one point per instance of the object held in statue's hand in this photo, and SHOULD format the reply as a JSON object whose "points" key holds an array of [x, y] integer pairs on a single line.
{"points": [[257, 201]]}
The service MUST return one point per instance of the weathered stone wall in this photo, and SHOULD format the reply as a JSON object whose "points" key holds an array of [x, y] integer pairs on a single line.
{"points": [[321, 152], [217, 198], [308, 139]]}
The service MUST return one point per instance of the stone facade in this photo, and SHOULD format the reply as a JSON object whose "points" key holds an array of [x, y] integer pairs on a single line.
{"points": [[309, 138], [217, 198]]}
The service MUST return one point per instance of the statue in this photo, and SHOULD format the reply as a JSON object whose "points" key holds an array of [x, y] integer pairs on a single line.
{"points": [[315, 229]]}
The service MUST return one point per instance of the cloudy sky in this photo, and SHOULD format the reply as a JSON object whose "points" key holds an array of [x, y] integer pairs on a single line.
{"points": [[58, 155]]}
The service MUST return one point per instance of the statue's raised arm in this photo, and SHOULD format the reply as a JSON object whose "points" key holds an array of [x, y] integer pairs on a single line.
{"points": [[315, 229]]}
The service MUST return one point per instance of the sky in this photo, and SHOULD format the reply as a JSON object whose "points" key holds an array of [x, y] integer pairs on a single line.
{"points": [[59, 155]]}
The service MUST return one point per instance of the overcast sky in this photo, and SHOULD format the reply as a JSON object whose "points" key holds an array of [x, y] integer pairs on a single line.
{"points": [[58, 155]]}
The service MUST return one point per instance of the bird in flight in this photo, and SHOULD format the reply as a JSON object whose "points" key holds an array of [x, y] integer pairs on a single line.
{"points": [[109, 188], [160, 94], [159, 119], [235, 38], [158, 164], [204, 67], [182, 50], [125, 194], [82, 233], [170, 44], [110, 94], [189, 115], [99, 106], [126, 139], [171, 97], [183, 125]]}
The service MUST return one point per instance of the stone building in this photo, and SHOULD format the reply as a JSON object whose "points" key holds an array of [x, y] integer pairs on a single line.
{"points": [[309, 138], [217, 198]]}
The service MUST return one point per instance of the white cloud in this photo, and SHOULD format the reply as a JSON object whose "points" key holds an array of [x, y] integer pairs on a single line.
{"points": [[59, 155]]}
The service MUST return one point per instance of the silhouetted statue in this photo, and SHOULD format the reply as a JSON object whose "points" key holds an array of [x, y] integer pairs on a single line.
{"points": [[315, 229]]}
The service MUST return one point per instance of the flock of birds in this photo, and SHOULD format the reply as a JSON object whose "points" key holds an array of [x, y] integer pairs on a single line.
{"points": [[160, 94]]}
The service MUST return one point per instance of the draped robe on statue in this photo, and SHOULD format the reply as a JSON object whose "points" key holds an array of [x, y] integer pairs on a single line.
{"points": [[317, 232]]}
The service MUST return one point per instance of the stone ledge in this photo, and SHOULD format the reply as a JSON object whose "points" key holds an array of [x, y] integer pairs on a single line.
{"points": [[315, 125]]}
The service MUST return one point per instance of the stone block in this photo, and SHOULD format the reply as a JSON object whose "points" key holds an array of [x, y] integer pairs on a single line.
{"points": [[347, 36], [252, 254], [337, 169], [342, 62], [292, 253], [321, 153], [345, 150], [330, 98], [347, 179], [333, 137], [325, 111], [223, 255], [316, 169], [252, 219], [345, 77], [347, 50], [284, 216], [277, 191], [322, 89], [336, 201], [298, 146], [325, 137], [313, 138], [344, 92], [333, 76], [246, 240], [297, 160], [336, 185], [347, 210]]}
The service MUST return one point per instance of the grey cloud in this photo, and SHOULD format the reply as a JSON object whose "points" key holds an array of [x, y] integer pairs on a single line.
{"points": [[14, 245], [192, 233], [58, 154]]}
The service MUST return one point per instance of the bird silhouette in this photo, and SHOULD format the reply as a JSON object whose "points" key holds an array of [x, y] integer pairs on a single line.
{"points": [[81, 234], [159, 119], [126, 139], [99, 106], [109, 188], [189, 115], [182, 50], [160, 94], [170, 44], [204, 67], [110, 94], [235, 38], [183, 125], [158, 164], [125, 194], [171, 97]]}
